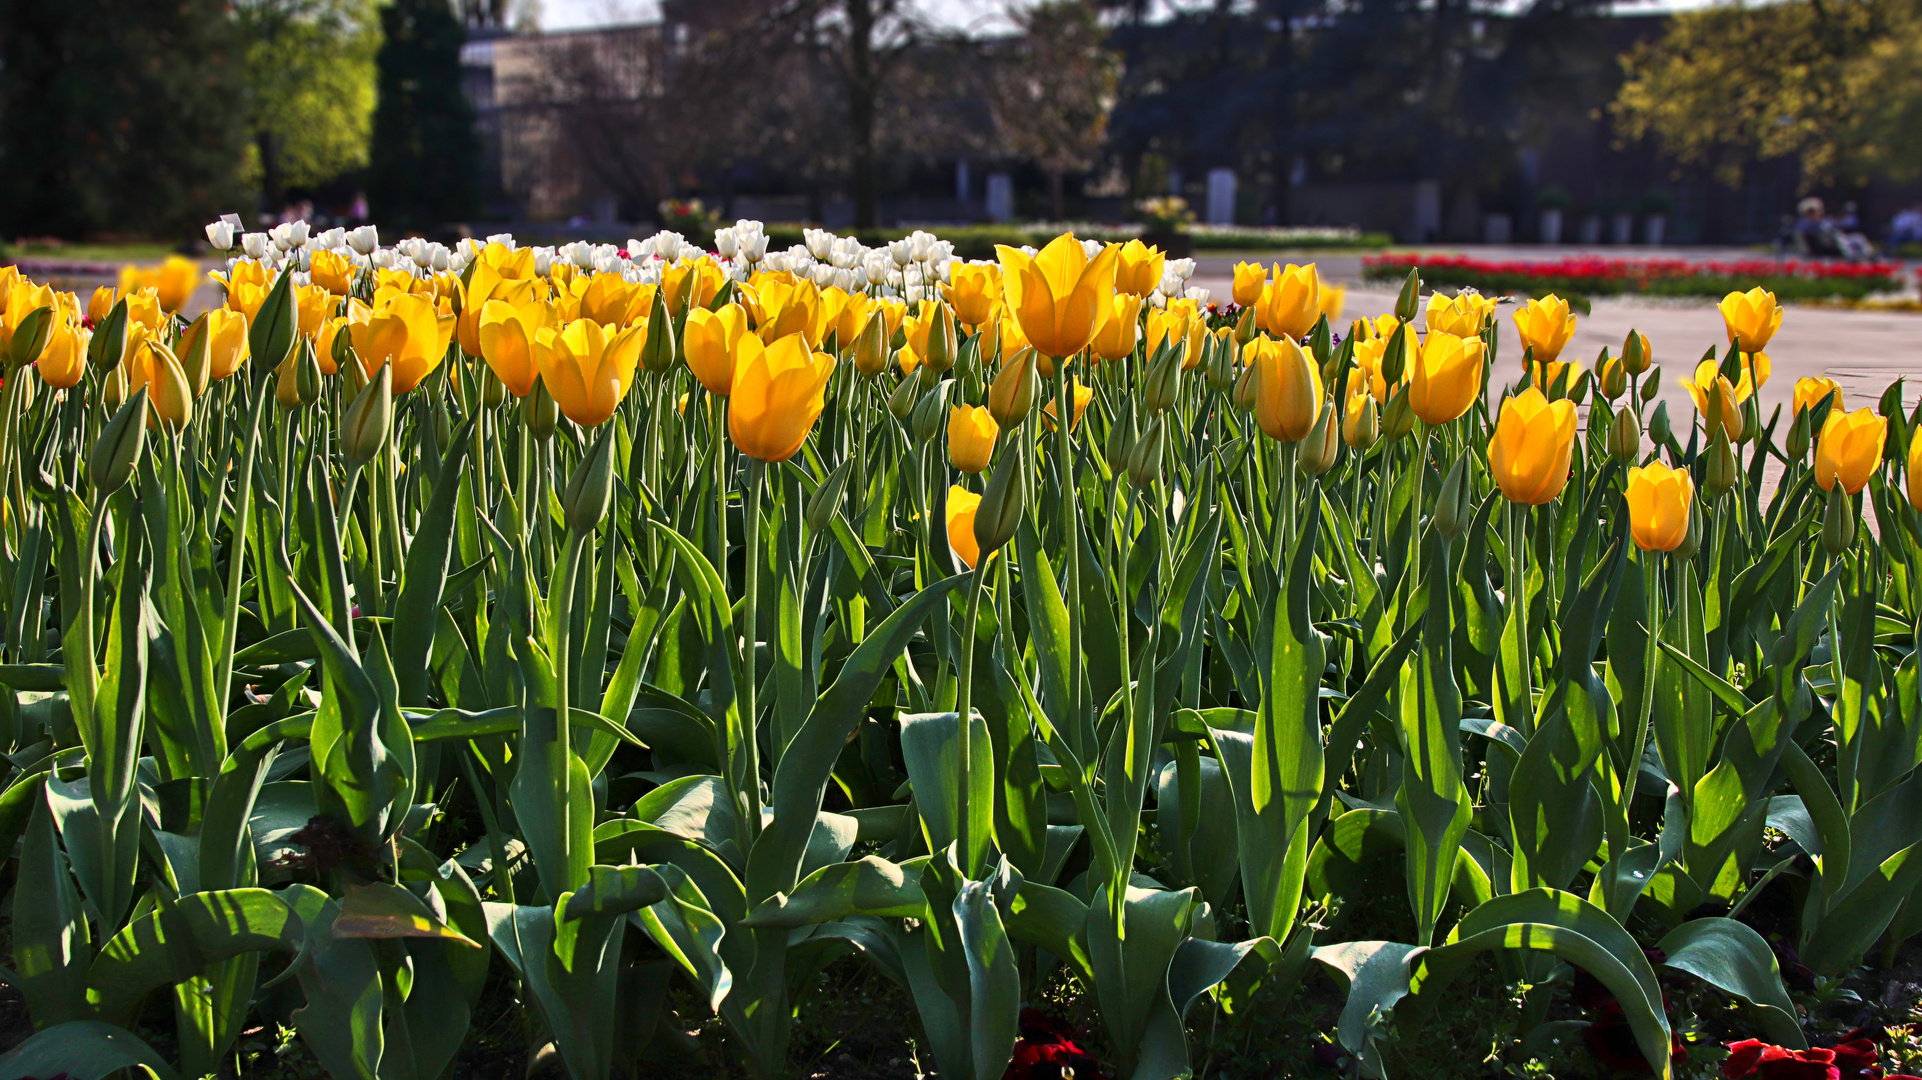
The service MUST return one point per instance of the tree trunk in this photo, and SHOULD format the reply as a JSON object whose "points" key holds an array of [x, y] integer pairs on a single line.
{"points": [[270, 179], [863, 92]]}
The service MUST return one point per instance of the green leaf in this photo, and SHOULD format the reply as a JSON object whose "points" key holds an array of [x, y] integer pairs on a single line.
{"points": [[1731, 956], [381, 910], [82, 1050], [994, 982], [424, 575]]}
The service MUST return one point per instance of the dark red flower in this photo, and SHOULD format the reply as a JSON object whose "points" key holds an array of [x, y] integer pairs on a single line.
{"points": [[1613, 1043], [1858, 1059], [1046, 1060], [1755, 1058]]}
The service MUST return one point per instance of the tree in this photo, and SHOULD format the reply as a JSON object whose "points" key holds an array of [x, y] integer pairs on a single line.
{"points": [[1828, 82], [310, 80], [425, 158], [1054, 90], [118, 117]]}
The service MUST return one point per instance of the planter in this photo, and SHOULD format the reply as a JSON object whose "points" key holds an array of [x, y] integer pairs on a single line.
{"points": [[1622, 228], [1552, 225], [1178, 245], [1497, 228], [1654, 229]]}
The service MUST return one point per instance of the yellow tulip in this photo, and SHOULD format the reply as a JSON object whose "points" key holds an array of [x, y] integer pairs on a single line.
{"points": [[170, 399], [172, 281], [1292, 304], [324, 344], [64, 359], [1915, 469], [690, 285], [605, 300], [1445, 376], [1458, 315], [587, 369], [1549, 375], [1811, 389], [974, 292], [1658, 504], [312, 305], [1060, 296], [778, 393], [1360, 421], [1751, 317], [962, 506], [1707, 378], [1138, 268], [1287, 388], [226, 333], [1850, 449], [19, 301], [1013, 341], [790, 309], [1545, 325], [100, 305], [1370, 352], [514, 291], [507, 333], [711, 341], [1333, 299], [971, 435], [1530, 450], [331, 271], [1118, 334], [852, 319], [1250, 279], [1082, 395], [405, 330]]}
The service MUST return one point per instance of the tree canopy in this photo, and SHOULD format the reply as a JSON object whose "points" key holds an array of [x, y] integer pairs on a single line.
{"points": [[1832, 83], [310, 88]]}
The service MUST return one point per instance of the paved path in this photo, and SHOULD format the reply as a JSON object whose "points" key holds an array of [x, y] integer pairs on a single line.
{"points": [[1863, 351]]}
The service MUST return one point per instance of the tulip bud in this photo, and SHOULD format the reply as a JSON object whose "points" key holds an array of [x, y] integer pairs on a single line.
{"points": [[364, 429], [1798, 440], [929, 412], [540, 411], [1398, 418], [871, 347], [1722, 465], [662, 350], [1321, 345], [493, 391], [1244, 395], [826, 500], [1220, 368], [119, 446], [1121, 437], [1144, 457], [941, 342], [287, 381], [1659, 428], [1838, 522], [1635, 353], [590, 489], [1613, 375], [1322, 448], [1653, 386], [1246, 329], [1625, 437], [1160, 389], [30, 336], [1394, 358], [1408, 304], [1012, 394], [109, 340], [1751, 421], [999, 514], [1456, 507], [1579, 391], [1692, 540], [172, 399], [352, 379], [114, 387], [901, 401], [1362, 426]]}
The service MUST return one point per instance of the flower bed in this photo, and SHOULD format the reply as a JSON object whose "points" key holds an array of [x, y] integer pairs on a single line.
{"points": [[1595, 275]]}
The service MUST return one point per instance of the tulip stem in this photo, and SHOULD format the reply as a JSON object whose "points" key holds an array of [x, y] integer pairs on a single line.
{"points": [[1070, 536], [964, 712], [236, 549], [750, 623], [1517, 590], [717, 433]]}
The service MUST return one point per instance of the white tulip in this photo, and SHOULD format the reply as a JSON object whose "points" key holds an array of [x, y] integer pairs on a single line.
{"points": [[364, 239], [255, 245], [220, 235]]}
